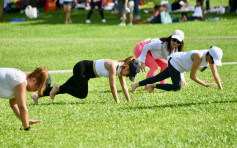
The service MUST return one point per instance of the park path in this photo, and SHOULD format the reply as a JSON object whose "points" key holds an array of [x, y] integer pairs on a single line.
{"points": [[114, 39]]}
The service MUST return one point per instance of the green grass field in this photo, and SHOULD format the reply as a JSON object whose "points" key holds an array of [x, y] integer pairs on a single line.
{"points": [[193, 117]]}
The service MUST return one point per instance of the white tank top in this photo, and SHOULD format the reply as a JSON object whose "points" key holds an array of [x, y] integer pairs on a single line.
{"points": [[182, 61], [198, 12], [102, 71], [9, 78]]}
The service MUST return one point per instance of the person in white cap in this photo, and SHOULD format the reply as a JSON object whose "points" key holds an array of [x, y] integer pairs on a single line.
{"points": [[182, 62], [154, 52]]}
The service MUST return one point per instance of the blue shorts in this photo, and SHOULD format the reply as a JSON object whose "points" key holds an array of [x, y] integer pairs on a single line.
{"points": [[67, 3]]}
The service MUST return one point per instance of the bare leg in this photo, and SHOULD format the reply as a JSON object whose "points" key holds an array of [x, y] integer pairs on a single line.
{"points": [[151, 87], [134, 86], [54, 91], [131, 18], [35, 97]]}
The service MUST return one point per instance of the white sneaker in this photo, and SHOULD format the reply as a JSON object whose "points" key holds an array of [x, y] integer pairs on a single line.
{"points": [[129, 24], [103, 21], [122, 24], [88, 21]]}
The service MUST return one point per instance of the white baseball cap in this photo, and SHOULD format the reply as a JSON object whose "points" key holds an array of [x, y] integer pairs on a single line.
{"points": [[178, 34], [216, 54]]}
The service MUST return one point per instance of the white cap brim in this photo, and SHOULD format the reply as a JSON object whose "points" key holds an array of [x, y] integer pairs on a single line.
{"points": [[177, 37], [217, 62]]}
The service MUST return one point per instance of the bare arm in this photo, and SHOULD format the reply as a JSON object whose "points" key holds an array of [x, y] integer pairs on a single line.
{"points": [[126, 3], [216, 75], [112, 79], [124, 87], [21, 112], [14, 107], [196, 62]]}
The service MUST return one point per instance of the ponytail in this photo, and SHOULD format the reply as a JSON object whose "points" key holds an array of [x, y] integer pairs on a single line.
{"points": [[128, 60]]}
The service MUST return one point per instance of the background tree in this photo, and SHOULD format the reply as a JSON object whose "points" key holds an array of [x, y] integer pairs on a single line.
{"points": [[1, 10]]}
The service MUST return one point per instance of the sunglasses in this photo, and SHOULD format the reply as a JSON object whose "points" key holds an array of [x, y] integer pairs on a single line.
{"points": [[176, 40]]}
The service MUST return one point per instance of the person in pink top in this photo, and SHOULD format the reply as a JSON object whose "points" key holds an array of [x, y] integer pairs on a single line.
{"points": [[153, 53]]}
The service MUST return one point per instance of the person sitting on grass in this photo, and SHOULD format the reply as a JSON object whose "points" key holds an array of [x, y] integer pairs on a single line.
{"points": [[199, 13], [77, 85], [181, 62], [13, 86]]}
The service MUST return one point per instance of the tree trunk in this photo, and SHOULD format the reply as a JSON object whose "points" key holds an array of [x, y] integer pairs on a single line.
{"points": [[1, 10]]}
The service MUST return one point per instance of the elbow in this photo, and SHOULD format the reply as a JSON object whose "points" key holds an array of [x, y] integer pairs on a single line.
{"points": [[192, 77]]}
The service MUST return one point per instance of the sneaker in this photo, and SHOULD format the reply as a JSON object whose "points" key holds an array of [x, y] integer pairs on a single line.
{"points": [[88, 21], [129, 24], [122, 24], [137, 17], [103, 21]]}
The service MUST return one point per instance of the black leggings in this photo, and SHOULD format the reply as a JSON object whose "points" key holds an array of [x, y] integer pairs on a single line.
{"points": [[93, 4], [77, 85], [170, 71]]}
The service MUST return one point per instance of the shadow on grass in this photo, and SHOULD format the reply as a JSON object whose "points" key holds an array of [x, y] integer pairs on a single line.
{"points": [[180, 105], [68, 103]]}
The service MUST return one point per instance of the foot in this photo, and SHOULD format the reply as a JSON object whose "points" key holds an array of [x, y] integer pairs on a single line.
{"points": [[103, 21], [133, 85], [88, 21], [129, 24], [54, 91], [35, 97], [122, 24], [150, 88]]}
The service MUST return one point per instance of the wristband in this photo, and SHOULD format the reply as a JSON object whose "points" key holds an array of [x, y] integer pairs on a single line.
{"points": [[27, 129]]}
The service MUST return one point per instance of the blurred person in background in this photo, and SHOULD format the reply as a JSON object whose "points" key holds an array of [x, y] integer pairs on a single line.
{"points": [[97, 3], [128, 6]]}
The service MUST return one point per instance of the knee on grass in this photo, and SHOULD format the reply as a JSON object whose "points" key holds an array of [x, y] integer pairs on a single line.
{"points": [[176, 88]]}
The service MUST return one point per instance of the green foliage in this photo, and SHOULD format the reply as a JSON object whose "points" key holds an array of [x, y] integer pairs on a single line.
{"points": [[193, 117]]}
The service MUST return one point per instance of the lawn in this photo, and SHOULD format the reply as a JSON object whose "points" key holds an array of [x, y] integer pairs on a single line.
{"points": [[193, 117]]}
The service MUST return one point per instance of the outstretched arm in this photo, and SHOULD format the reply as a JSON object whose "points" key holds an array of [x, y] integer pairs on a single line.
{"points": [[196, 62], [124, 87], [19, 105], [216, 75], [112, 79], [23, 109]]}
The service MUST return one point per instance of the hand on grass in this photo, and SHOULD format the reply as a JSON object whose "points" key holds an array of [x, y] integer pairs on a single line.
{"points": [[34, 121], [185, 83], [209, 85]]}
